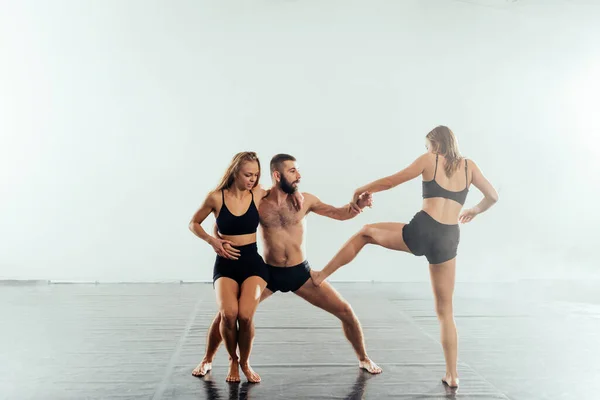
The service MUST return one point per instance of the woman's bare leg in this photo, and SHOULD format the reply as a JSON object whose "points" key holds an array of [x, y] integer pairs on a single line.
{"points": [[213, 341], [442, 281], [248, 302], [386, 234], [227, 300]]}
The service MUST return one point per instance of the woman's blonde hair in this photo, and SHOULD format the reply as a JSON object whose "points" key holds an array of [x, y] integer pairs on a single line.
{"points": [[444, 142], [234, 167]]}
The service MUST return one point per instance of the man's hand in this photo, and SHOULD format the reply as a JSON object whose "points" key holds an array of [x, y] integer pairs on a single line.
{"points": [[225, 249], [360, 193], [231, 252], [217, 244], [365, 199]]}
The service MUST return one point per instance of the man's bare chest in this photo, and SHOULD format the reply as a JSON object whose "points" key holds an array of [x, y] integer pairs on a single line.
{"points": [[274, 216]]}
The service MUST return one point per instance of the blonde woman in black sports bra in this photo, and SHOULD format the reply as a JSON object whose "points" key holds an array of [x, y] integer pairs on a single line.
{"points": [[238, 282], [433, 232]]}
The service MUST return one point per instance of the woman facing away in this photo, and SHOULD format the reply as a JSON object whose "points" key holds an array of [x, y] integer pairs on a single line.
{"points": [[238, 282], [433, 231]]}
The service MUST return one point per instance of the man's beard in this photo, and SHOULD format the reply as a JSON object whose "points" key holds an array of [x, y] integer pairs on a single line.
{"points": [[287, 186]]}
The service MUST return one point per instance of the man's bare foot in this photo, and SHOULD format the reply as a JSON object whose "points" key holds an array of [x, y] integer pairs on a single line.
{"points": [[234, 371], [450, 381], [252, 376], [202, 368], [317, 277], [370, 366]]}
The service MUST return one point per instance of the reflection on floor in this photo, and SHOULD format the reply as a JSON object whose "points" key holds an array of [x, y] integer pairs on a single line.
{"points": [[527, 340]]}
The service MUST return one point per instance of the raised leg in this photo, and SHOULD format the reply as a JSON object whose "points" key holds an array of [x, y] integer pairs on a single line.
{"points": [[385, 234]]}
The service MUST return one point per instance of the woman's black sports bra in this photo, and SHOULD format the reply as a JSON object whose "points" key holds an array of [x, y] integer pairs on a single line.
{"points": [[244, 224], [433, 189]]}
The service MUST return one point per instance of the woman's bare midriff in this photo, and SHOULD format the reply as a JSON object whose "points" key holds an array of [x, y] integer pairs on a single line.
{"points": [[240, 240], [444, 211]]}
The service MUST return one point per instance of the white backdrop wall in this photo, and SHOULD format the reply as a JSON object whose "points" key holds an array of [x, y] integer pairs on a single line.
{"points": [[116, 119]]}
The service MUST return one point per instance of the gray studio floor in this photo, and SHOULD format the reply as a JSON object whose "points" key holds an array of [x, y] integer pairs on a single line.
{"points": [[527, 340]]}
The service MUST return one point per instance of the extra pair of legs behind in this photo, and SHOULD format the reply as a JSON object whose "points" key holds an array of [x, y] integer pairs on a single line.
{"points": [[296, 279]]}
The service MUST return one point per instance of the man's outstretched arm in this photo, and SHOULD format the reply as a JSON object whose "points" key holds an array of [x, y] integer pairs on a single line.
{"points": [[343, 213]]}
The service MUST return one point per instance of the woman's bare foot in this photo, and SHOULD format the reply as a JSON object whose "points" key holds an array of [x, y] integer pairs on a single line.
{"points": [[450, 381], [370, 366], [317, 277], [234, 371], [202, 368], [252, 376]]}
